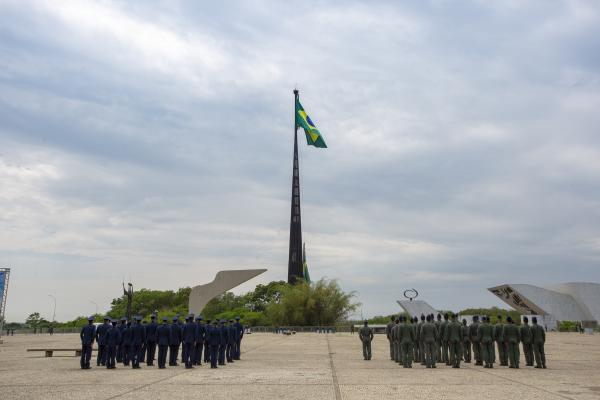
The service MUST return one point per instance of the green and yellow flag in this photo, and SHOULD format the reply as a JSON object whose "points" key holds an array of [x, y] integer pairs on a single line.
{"points": [[313, 136], [305, 265]]}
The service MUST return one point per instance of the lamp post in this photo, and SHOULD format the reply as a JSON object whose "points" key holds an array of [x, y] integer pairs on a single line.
{"points": [[54, 311]]}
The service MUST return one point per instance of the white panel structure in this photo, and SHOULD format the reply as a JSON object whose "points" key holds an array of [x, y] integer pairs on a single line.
{"points": [[224, 281], [416, 308]]}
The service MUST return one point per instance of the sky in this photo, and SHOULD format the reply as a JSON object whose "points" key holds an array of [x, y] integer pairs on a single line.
{"points": [[152, 141]]}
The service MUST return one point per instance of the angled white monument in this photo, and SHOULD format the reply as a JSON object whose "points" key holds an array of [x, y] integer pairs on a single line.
{"points": [[224, 281]]}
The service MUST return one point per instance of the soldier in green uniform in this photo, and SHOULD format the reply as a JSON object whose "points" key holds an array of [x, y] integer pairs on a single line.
{"points": [[473, 335], [421, 343], [396, 343], [512, 336], [538, 339], [485, 336], [466, 342], [526, 340], [388, 333], [415, 325], [407, 337], [438, 351], [443, 327], [428, 335], [453, 339], [366, 336], [500, 342]]}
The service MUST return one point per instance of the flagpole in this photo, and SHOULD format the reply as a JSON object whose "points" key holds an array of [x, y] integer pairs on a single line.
{"points": [[295, 267]]}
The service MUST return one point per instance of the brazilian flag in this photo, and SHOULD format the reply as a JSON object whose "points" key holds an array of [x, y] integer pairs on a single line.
{"points": [[313, 136], [305, 265]]}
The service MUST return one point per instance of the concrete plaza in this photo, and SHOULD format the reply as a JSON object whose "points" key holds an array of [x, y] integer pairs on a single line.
{"points": [[302, 366]]}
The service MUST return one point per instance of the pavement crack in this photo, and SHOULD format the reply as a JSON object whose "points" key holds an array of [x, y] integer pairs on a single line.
{"points": [[336, 385]]}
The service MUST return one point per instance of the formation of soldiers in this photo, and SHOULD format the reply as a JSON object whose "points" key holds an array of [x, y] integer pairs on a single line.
{"points": [[429, 341], [134, 342]]}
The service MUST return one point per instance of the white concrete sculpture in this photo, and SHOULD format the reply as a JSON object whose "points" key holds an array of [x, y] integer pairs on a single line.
{"points": [[416, 308], [224, 281], [578, 301]]}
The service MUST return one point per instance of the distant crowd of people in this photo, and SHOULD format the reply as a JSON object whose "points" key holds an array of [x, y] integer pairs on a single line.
{"points": [[430, 341], [133, 342]]}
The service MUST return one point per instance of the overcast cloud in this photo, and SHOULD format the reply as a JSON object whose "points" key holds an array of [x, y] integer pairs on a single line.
{"points": [[152, 141]]}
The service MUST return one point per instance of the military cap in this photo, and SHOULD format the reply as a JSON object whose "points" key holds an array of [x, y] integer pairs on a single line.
{"points": [[138, 317], [153, 316], [175, 318], [534, 319], [509, 319], [165, 319], [190, 316], [366, 321], [525, 319], [123, 319], [230, 320], [237, 318], [199, 318], [215, 322], [114, 320], [91, 318], [107, 318]]}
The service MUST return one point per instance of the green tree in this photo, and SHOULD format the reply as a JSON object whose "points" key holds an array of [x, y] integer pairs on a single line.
{"points": [[318, 303]]}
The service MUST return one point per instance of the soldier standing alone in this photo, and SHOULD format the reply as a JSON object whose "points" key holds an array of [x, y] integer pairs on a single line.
{"points": [[87, 335], [366, 336]]}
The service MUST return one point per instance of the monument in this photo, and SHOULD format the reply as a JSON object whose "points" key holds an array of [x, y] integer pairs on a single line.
{"points": [[414, 307], [574, 301], [224, 281]]}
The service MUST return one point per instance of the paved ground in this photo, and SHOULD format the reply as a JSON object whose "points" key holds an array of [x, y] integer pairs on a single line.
{"points": [[303, 366]]}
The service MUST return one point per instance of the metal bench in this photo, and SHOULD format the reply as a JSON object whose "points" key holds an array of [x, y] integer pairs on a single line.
{"points": [[50, 352]]}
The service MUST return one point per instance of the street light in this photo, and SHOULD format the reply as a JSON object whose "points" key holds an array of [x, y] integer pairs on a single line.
{"points": [[53, 312], [96, 304]]}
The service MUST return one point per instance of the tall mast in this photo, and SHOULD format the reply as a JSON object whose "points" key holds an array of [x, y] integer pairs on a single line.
{"points": [[295, 270]]}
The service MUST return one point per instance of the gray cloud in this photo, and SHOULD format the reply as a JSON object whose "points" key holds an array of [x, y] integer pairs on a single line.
{"points": [[154, 141]]}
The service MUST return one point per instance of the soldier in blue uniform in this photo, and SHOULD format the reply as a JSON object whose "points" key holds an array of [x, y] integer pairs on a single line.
{"points": [[121, 329], [214, 340], [87, 335], [101, 332], [181, 325], [206, 345], [151, 340], [113, 338], [222, 341], [126, 343], [163, 338], [240, 334], [174, 342], [231, 339], [189, 338], [138, 337], [199, 341], [143, 349]]}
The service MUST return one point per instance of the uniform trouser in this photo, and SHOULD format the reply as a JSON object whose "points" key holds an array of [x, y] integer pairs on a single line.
{"points": [[111, 355], [487, 352], [238, 349], [467, 351], [513, 354], [391, 349], [407, 353], [214, 349], [399, 353], [502, 356], [162, 355], [222, 354], [136, 352], [229, 352], [445, 352], [119, 353], [173, 352], [143, 352], [396, 346], [150, 350], [429, 353], [188, 354], [198, 353], [126, 354], [366, 345], [417, 356], [86, 354], [477, 352], [101, 358], [455, 353], [540, 355], [207, 353], [422, 352], [438, 352], [528, 352]]}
